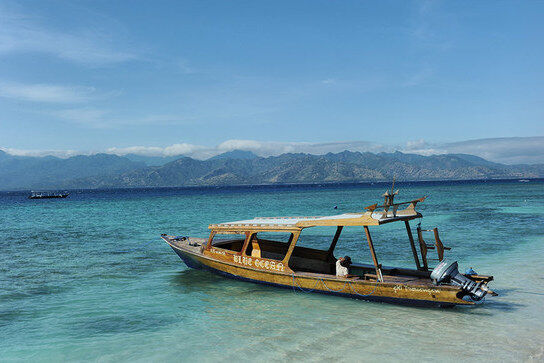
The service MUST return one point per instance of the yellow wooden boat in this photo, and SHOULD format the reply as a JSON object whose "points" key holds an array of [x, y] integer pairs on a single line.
{"points": [[264, 250]]}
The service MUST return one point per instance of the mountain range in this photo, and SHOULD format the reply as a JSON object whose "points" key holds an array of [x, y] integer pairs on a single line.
{"points": [[49, 172], [243, 168]]}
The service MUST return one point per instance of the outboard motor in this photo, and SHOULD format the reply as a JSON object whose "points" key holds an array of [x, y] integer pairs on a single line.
{"points": [[449, 272]]}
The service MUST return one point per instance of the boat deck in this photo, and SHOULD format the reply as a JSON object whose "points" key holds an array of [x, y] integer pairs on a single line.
{"points": [[194, 245], [404, 280], [191, 244]]}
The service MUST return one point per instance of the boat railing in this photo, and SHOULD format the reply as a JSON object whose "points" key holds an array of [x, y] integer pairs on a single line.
{"points": [[411, 204]]}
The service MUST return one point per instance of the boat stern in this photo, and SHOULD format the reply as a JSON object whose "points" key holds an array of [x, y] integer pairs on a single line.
{"points": [[472, 286]]}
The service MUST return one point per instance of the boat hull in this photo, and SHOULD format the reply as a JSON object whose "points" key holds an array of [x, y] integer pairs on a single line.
{"points": [[362, 290], [48, 196], [188, 259]]}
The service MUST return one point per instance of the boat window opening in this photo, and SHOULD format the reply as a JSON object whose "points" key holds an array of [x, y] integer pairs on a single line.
{"points": [[231, 242], [312, 251], [320, 237], [271, 245], [317, 251], [393, 246]]}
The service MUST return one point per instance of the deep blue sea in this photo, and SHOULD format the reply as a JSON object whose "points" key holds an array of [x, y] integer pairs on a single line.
{"points": [[88, 278]]}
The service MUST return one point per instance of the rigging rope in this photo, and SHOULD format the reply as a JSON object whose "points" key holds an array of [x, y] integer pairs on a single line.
{"points": [[300, 287]]}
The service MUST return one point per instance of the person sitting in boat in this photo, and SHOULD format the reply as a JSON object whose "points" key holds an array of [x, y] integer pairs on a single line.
{"points": [[342, 266]]}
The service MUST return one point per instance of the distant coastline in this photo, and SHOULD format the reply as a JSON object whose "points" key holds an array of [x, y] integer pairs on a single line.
{"points": [[245, 187], [245, 168]]}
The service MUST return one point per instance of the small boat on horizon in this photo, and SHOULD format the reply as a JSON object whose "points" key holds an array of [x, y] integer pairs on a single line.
{"points": [[47, 194], [264, 250]]}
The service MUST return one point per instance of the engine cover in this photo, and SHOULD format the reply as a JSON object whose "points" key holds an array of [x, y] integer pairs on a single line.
{"points": [[446, 272]]}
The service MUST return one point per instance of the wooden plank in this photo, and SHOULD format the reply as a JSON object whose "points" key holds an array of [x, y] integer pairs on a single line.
{"points": [[412, 244], [423, 248], [439, 246]]}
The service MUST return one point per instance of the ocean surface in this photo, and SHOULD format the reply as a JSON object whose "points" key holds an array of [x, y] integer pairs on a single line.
{"points": [[88, 278]]}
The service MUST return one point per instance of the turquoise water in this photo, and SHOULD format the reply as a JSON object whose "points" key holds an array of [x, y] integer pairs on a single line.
{"points": [[88, 278]]}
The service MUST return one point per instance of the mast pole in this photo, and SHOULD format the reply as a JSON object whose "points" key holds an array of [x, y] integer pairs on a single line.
{"points": [[373, 253]]}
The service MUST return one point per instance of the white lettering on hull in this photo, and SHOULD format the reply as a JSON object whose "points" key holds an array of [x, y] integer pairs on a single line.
{"points": [[264, 264], [397, 288]]}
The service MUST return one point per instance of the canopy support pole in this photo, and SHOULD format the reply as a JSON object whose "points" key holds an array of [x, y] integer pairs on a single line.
{"points": [[373, 253], [292, 242], [412, 244], [335, 240], [210, 239]]}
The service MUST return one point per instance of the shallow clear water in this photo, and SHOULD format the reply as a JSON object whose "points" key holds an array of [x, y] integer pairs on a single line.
{"points": [[88, 278]]}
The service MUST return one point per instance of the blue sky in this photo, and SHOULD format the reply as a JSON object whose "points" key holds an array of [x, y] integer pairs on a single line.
{"points": [[110, 75]]}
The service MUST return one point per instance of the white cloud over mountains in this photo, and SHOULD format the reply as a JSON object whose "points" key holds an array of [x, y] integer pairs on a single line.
{"points": [[506, 150], [172, 150], [510, 150], [269, 148]]}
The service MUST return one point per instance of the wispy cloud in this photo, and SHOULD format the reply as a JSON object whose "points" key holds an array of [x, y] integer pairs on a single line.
{"points": [[428, 19], [507, 150], [57, 153], [21, 34], [88, 116], [45, 92], [102, 118], [329, 81], [184, 67], [418, 78]]}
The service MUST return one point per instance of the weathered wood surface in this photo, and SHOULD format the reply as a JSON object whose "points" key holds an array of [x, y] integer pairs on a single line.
{"points": [[275, 272]]}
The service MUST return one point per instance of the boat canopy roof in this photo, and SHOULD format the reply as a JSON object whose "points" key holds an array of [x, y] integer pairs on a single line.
{"points": [[373, 216]]}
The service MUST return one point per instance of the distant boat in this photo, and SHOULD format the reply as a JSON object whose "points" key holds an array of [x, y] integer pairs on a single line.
{"points": [[524, 180], [47, 195]]}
